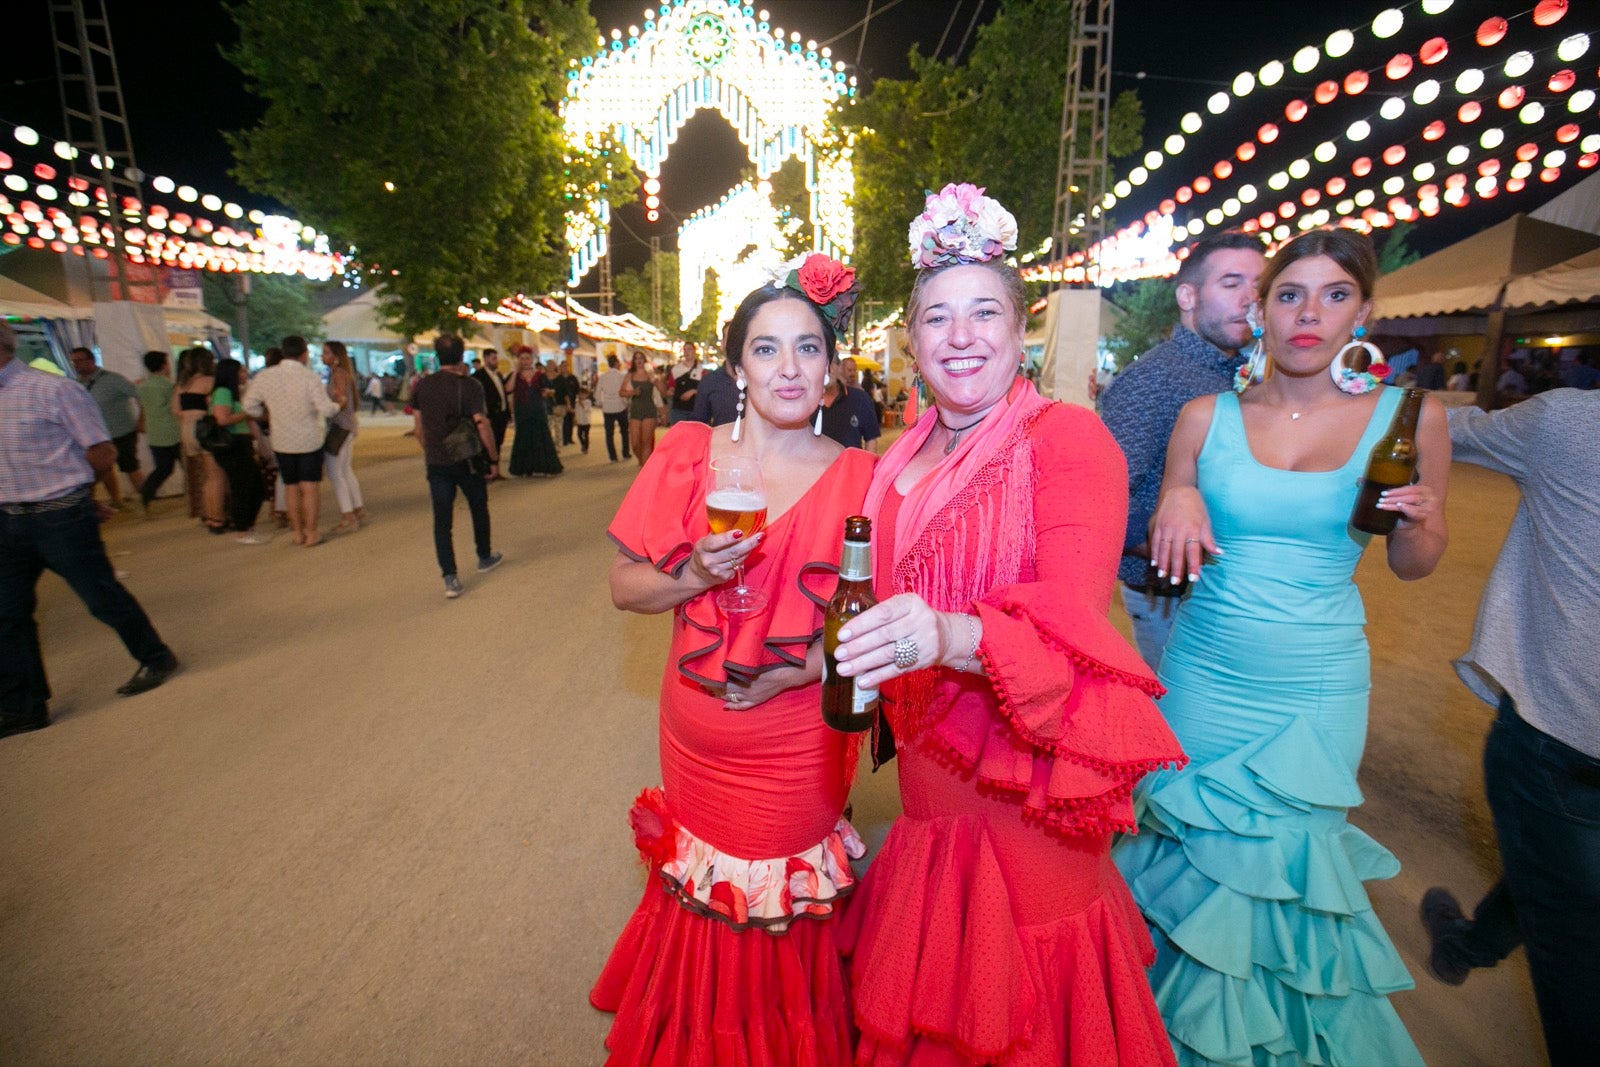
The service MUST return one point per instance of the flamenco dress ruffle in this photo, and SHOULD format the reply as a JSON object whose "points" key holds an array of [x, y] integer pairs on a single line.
{"points": [[730, 958], [993, 928], [1270, 952]]}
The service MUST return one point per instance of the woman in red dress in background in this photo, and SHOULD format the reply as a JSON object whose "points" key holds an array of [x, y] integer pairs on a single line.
{"points": [[731, 957], [994, 928]]}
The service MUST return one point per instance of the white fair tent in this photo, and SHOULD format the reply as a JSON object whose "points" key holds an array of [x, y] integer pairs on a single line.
{"points": [[23, 302], [1575, 281]]}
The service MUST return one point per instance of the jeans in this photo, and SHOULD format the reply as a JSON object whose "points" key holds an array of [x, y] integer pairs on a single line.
{"points": [[569, 422], [583, 436], [443, 481], [1152, 618], [613, 420], [1545, 797], [245, 487], [166, 458], [67, 542]]}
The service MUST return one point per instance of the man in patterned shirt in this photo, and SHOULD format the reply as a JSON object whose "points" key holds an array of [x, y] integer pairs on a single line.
{"points": [[1216, 285], [53, 445]]}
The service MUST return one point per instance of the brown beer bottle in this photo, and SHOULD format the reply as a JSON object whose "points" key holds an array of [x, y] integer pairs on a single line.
{"points": [[846, 706], [1393, 463]]}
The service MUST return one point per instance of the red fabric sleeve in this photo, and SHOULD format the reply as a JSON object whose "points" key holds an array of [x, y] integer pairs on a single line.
{"points": [[1077, 723], [664, 513]]}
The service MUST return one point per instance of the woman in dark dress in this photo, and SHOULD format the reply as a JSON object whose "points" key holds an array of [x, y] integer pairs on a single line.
{"points": [[533, 450]]}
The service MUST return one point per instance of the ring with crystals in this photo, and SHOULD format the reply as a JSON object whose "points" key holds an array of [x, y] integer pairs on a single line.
{"points": [[905, 653]]}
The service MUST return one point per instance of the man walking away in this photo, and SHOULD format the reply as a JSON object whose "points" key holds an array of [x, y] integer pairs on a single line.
{"points": [[566, 386], [1532, 658], [53, 443], [160, 424], [118, 401], [293, 398], [1215, 288], [613, 406], [439, 402], [494, 396]]}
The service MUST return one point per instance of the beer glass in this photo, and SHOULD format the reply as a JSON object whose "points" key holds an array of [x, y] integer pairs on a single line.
{"points": [[737, 500]]}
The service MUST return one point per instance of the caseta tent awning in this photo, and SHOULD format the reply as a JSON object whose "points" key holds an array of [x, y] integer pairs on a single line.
{"points": [[1577, 281], [1471, 274]]}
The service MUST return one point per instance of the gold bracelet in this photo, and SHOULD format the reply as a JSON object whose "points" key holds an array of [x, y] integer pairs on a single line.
{"points": [[972, 626]]}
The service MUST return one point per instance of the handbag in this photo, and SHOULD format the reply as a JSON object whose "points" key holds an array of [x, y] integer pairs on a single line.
{"points": [[461, 443], [211, 435], [337, 436]]}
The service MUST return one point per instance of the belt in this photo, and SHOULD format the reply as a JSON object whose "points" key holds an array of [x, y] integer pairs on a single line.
{"points": [[60, 503]]}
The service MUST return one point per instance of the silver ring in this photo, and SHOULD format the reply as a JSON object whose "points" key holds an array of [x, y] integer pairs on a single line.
{"points": [[905, 653]]}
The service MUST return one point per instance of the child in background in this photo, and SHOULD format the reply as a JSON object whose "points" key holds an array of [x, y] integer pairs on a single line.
{"points": [[583, 414]]}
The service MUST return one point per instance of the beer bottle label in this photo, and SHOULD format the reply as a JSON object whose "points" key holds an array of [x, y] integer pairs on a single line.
{"points": [[862, 699], [855, 563]]}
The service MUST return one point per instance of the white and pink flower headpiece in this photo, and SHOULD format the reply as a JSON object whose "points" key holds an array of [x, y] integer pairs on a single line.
{"points": [[961, 225]]}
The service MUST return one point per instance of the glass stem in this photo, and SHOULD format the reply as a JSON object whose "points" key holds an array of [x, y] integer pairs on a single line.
{"points": [[738, 574]]}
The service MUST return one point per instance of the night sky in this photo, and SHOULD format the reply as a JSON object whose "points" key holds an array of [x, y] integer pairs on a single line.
{"points": [[181, 94]]}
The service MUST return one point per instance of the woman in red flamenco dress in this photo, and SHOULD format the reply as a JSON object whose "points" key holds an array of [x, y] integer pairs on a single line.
{"points": [[731, 958], [992, 927]]}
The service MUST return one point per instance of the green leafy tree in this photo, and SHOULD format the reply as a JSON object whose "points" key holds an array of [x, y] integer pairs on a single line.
{"points": [[634, 287], [278, 305], [426, 135], [994, 121], [1150, 311], [703, 330], [1396, 251]]}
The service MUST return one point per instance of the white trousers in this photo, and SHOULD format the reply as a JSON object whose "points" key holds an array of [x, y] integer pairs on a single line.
{"points": [[346, 490]]}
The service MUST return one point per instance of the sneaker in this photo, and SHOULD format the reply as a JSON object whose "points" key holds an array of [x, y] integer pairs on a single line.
{"points": [[1441, 916], [452, 587], [250, 537], [490, 562]]}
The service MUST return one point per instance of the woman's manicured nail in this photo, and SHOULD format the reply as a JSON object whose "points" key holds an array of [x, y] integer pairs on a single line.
{"points": [[738, 534]]}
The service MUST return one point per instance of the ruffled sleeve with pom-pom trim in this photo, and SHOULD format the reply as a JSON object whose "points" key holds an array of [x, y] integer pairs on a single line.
{"points": [[1065, 720], [796, 565]]}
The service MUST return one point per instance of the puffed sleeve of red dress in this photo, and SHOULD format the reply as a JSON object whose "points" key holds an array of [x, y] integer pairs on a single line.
{"points": [[1077, 724], [659, 518]]}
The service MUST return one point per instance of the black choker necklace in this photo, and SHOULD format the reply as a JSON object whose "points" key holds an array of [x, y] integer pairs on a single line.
{"points": [[957, 431]]}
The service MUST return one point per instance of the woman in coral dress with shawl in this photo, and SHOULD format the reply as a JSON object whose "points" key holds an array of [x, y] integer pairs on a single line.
{"points": [[993, 927], [731, 957]]}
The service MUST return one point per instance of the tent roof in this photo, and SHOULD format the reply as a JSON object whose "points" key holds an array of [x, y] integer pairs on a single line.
{"points": [[19, 299], [1576, 281], [1577, 208], [1469, 275]]}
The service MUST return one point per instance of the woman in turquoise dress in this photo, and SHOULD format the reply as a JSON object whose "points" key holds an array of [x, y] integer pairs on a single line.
{"points": [[1245, 866]]}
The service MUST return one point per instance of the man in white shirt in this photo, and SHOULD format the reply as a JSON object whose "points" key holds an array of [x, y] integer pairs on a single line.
{"points": [[608, 394], [292, 397]]}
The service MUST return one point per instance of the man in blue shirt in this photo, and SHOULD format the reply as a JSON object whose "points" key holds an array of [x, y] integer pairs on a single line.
{"points": [[1216, 286], [848, 414]]}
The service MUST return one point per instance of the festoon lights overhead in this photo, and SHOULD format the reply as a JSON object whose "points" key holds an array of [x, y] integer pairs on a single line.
{"points": [[1494, 108], [69, 215], [773, 88]]}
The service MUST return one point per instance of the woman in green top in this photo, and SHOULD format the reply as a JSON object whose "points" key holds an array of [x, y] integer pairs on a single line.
{"points": [[237, 462]]}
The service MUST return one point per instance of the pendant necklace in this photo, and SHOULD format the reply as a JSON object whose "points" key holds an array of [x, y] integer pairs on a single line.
{"points": [[956, 432]]}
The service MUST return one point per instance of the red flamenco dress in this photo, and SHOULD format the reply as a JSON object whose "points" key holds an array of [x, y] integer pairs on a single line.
{"points": [[993, 927], [731, 958]]}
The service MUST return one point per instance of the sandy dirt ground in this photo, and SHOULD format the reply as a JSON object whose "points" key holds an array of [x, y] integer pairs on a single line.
{"points": [[366, 825]]}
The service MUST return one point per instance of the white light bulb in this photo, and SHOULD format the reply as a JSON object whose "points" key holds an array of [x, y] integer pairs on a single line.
{"points": [[1247, 194], [1282, 232], [1190, 123], [1278, 181], [1344, 207], [1458, 155], [1121, 189], [1243, 83], [1519, 64], [1271, 74], [1485, 185], [26, 135], [1521, 169], [1365, 197], [1492, 137], [1218, 103], [187, 194], [1425, 93], [1422, 171], [163, 185], [1393, 185], [1326, 151], [1469, 81], [1305, 60], [1555, 159], [1436, 7], [1531, 112], [1572, 48], [1392, 108], [1174, 144], [1580, 101], [1339, 43], [1299, 169], [1214, 217], [211, 202], [1138, 175], [1590, 143], [1388, 23], [1230, 207], [1153, 160]]}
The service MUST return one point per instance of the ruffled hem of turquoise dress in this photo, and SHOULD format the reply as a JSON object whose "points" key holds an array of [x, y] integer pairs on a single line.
{"points": [[1268, 950]]}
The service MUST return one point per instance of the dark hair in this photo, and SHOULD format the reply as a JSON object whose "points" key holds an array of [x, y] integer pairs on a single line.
{"points": [[273, 356], [739, 325], [491, 352], [193, 362], [85, 351], [1016, 291], [1191, 271], [449, 348], [1352, 251], [154, 360], [227, 376], [1460, 367], [294, 346]]}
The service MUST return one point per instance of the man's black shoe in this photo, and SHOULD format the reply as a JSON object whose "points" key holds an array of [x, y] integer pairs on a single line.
{"points": [[22, 723], [147, 678], [1441, 916]]}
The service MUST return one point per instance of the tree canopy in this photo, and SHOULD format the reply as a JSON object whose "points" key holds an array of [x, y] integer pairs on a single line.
{"points": [[634, 288], [994, 121], [278, 305], [426, 135]]}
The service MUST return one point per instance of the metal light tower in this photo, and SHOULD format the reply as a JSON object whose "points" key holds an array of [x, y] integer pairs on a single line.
{"points": [[1081, 172]]}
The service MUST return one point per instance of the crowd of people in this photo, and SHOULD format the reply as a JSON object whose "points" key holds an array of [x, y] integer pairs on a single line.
{"points": [[1107, 854]]}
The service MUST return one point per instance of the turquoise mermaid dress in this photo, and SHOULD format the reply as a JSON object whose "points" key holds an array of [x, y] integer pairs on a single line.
{"points": [[1268, 950]]}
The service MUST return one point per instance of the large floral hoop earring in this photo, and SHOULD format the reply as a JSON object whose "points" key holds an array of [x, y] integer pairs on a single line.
{"points": [[738, 414], [1254, 368], [1357, 382]]}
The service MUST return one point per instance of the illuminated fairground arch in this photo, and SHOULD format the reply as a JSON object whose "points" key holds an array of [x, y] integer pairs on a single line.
{"points": [[690, 55]]}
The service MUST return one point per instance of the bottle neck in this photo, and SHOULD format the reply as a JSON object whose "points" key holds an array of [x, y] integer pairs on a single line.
{"points": [[1405, 420], [855, 563]]}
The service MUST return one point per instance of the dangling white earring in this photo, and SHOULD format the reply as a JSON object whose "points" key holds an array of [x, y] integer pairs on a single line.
{"points": [[816, 430], [1357, 382], [738, 415]]}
